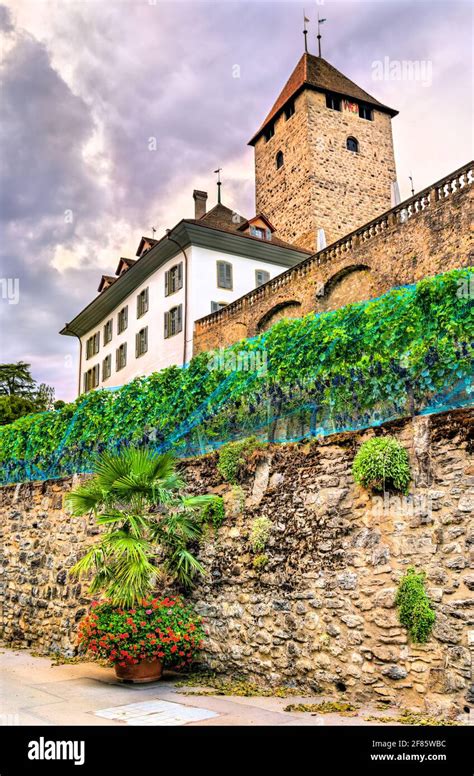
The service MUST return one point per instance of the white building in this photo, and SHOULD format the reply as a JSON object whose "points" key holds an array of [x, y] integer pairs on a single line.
{"points": [[143, 318]]}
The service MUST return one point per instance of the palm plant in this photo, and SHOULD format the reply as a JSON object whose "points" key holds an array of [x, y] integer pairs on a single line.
{"points": [[136, 496]]}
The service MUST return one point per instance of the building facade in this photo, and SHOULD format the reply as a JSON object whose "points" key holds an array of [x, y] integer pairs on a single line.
{"points": [[143, 319]]}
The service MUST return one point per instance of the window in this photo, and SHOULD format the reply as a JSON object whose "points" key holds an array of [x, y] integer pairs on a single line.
{"points": [[91, 378], [174, 279], [106, 368], [215, 306], [122, 320], [261, 277], [269, 132], [279, 160], [121, 357], [352, 144], [92, 345], [108, 331], [333, 102], [224, 274], [142, 303], [141, 342], [173, 321], [366, 112], [289, 110], [257, 231]]}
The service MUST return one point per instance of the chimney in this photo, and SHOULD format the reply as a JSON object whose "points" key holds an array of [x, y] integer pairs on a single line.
{"points": [[200, 198]]}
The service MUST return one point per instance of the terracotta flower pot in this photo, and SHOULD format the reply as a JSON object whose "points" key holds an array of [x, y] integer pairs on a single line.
{"points": [[144, 671]]}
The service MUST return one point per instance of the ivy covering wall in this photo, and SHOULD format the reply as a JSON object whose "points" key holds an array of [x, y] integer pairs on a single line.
{"points": [[408, 351]]}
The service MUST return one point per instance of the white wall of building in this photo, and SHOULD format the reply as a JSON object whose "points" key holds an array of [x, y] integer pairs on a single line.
{"points": [[203, 289]]}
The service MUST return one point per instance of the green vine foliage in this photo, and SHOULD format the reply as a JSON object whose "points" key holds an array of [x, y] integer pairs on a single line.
{"points": [[233, 456], [346, 369], [415, 612], [382, 464]]}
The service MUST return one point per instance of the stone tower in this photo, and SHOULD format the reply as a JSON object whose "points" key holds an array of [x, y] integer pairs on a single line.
{"points": [[323, 156]]}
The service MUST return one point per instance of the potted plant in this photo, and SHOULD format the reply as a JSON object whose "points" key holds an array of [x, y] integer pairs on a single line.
{"points": [[148, 529], [140, 641]]}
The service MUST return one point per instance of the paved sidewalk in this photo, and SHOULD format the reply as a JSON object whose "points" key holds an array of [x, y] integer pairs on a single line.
{"points": [[33, 692]]}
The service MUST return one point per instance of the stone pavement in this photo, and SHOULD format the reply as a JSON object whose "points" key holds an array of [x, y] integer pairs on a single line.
{"points": [[34, 692]]}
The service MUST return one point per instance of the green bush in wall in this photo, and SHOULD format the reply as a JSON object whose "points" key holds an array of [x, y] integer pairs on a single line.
{"points": [[214, 513], [415, 612], [233, 456], [260, 533], [382, 464]]}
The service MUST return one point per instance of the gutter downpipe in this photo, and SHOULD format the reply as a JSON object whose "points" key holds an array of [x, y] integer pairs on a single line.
{"points": [[80, 358], [185, 317]]}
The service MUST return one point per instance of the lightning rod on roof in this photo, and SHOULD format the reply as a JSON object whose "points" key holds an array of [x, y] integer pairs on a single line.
{"points": [[219, 184], [153, 232], [305, 31], [320, 21]]}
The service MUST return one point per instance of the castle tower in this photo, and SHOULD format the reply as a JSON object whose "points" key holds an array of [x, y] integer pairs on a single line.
{"points": [[323, 156]]}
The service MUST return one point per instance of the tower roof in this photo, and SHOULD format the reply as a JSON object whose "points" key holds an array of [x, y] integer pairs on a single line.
{"points": [[313, 72]]}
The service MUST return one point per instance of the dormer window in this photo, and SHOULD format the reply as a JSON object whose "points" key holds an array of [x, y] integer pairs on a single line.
{"points": [[269, 132], [260, 232], [352, 144], [289, 110], [366, 112], [333, 102], [279, 159]]}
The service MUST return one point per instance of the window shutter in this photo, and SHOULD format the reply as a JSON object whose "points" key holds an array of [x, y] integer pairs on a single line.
{"points": [[220, 275], [166, 324], [137, 345], [180, 318], [228, 269], [124, 353], [117, 367], [145, 338], [125, 317], [146, 300], [180, 275]]}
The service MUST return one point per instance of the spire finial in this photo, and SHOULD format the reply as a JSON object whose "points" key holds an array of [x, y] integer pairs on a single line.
{"points": [[305, 31], [219, 184], [320, 21]]}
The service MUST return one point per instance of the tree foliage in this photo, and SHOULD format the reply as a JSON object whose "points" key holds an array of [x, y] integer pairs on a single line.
{"points": [[149, 526]]}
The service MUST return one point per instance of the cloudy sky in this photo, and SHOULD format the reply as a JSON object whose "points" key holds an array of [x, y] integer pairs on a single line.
{"points": [[86, 84]]}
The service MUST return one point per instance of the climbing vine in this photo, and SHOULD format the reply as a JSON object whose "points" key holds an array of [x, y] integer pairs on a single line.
{"points": [[350, 368]]}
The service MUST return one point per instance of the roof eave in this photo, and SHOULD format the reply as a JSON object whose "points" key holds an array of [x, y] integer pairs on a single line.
{"points": [[378, 106]]}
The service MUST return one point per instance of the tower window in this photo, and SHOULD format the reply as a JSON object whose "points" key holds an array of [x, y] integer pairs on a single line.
{"points": [[269, 132], [366, 112], [333, 102], [289, 110], [279, 160], [352, 144]]}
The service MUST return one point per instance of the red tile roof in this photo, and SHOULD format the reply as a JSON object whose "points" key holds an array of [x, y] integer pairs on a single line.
{"points": [[315, 73]]}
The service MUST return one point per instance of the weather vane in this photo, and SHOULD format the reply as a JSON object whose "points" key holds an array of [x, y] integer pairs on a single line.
{"points": [[219, 184], [153, 232], [305, 31], [320, 21]]}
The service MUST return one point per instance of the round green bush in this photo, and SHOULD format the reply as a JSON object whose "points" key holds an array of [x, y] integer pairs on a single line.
{"points": [[382, 464]]}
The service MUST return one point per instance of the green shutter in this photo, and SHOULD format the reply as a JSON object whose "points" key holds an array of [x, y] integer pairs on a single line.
{"points": [[166, 325], [179, 314]]}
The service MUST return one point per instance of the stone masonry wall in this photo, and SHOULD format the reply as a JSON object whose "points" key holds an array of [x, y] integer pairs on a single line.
{"points": [[321, 183], [429, 234], [321, 613]]}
